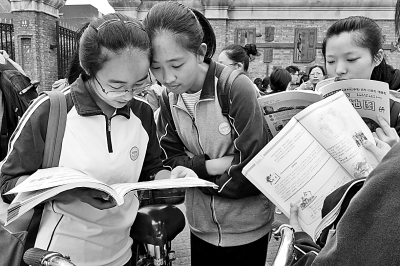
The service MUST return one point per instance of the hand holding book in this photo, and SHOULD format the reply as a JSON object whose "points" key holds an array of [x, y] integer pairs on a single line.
{"points": [[386, 133], [63, 183], [95, 198]]}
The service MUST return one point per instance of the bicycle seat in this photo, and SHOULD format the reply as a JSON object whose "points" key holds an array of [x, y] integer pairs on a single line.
{"points": [[157, 224]]}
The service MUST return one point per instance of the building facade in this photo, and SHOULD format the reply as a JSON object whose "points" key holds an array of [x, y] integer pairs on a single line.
{"points": [[280, 28]]}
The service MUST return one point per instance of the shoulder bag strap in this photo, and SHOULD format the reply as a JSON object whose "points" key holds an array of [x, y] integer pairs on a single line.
{"points": [[52, 151], [55, 128], [225, 80]]}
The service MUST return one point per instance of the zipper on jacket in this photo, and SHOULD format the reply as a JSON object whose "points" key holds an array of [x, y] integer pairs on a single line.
{"points": [[194, 124], [214, 217], [108, 134], [198, 135]]}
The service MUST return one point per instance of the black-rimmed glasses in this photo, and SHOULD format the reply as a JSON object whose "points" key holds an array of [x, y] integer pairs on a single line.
{"points": [[121, 92]]}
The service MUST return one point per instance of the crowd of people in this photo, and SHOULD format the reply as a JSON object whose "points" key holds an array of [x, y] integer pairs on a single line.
{"points": [[143, 104], [298, 80]]}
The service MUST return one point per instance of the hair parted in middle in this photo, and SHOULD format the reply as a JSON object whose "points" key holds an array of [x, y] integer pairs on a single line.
{"points": [[189, 27], [113, 33]]}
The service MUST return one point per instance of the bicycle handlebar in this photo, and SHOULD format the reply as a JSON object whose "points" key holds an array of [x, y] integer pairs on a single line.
{"points": [[40, 257], [285, 254]]}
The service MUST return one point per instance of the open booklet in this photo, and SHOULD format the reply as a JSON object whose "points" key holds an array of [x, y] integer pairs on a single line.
{"points": [[368, 97], [317, 151], [47, 183], [279, 108]]}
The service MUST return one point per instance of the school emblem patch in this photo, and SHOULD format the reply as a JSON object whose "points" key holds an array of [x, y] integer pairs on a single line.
{"points": [[224, 128], [134, 153]]}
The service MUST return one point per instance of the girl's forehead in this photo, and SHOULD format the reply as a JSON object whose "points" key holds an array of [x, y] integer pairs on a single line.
{"points": [[128, 65], [316, 69], [345, 42], [165, 36], [165, 48]]}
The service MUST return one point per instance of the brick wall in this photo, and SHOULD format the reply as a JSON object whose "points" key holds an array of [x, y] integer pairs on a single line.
{"points": [[35, 31], [284, 33]]}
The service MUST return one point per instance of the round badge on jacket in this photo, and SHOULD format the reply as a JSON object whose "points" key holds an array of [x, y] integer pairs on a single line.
{"points": [[224, 128], [134, 153]]}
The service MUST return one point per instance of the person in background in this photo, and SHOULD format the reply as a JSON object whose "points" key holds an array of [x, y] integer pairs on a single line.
{"points": [[259, 84], [316, 74], [304, 78], [13, 103], [109, 135], [265, 84], [238, 56], [5, 60], [230, 225], [294, 73], [279, 80]]}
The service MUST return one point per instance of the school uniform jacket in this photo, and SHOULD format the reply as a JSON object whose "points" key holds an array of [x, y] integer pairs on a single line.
{"points": [[236, 213], [121, 149]]}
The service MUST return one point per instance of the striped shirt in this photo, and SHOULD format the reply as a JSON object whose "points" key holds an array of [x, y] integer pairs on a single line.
{"points": [[190, 100]]}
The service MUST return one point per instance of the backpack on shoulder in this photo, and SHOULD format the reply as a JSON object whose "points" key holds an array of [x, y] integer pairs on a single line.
{"points": [[17, 93]]}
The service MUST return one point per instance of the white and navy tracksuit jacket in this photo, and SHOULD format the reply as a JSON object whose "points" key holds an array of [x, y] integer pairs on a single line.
{"points": [[123, 148]]}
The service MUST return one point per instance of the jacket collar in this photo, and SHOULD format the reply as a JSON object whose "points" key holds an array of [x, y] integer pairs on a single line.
{"points": [[85, 104], [208, 90]]}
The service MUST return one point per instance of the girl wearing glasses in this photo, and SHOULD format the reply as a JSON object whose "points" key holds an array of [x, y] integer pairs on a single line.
{"points": [[231, 225], [109, 135], [316, 74], [238, 56]]}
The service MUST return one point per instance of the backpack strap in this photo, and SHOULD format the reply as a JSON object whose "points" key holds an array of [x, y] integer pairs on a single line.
{"points": [[226, 76], [51, 157], [55, 128], [165, 102]]}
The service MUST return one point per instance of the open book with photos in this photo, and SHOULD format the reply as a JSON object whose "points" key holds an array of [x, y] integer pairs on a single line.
{"points": [[279, 108], [318, 150], [47, 183], [369, 97]]}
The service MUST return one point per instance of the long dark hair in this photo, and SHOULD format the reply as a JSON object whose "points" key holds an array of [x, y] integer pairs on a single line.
{"points": [[189, 26], [74, 68], [367, 34]]}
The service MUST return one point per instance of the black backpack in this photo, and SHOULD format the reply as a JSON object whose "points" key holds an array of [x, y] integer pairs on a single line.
{"points": [[17, 93]]}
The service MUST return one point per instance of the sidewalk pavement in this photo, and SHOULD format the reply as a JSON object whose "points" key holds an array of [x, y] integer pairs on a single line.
{"points": [[181, 244]]}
